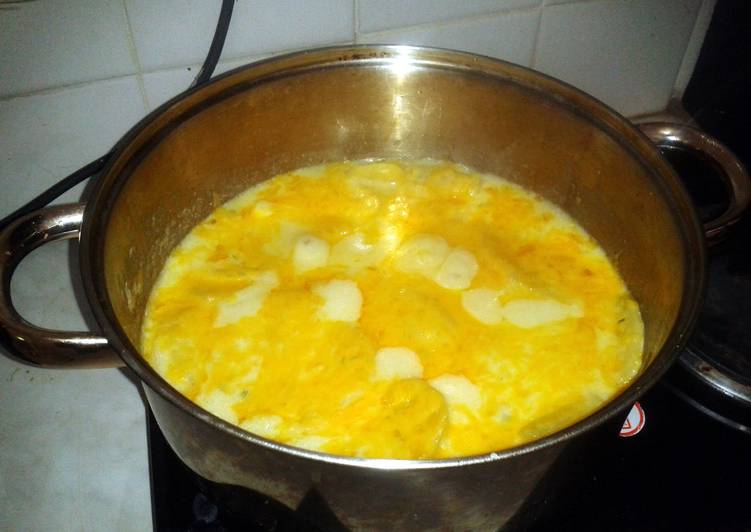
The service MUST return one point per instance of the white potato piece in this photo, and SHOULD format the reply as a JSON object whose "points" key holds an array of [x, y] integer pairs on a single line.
{"points": [[342, 300], [457, 271], [422, 254], [483, 305], [218, 403], [458, 390], [355, 253], [397, 363], [248, 301], [528, 313], [310, 253], [263, 425]]}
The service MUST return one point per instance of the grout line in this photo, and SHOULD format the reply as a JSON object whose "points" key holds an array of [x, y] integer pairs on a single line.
{"points": [[552, 3], [456, 21], [134, 56], [355, 20], [533, 61], [62, 88]]}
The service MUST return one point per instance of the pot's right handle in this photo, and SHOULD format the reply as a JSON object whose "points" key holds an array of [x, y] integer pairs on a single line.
{"points": [[669, 135], [44, 347]]}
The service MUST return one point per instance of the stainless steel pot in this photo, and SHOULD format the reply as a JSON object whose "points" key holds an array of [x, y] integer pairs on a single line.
{"points": [[207, 145]]}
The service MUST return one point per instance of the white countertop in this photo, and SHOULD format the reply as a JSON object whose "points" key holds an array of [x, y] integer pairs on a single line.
{"points": [[73, 453]]}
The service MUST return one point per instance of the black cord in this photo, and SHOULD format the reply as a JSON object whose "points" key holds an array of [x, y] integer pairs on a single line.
{"points": [[217, 43], [96, 166]]}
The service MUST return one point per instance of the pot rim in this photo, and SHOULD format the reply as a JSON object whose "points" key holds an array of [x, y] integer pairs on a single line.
{"points": [[180, 108]]}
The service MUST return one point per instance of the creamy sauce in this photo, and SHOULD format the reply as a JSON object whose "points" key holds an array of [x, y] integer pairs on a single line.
{"points": [[400, 309]]}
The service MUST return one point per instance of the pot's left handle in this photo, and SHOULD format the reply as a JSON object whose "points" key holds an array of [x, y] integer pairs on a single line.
{"points": [[38, 346]]}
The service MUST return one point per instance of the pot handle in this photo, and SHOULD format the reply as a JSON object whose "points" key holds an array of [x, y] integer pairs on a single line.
{"points": [[669, 135], [38, 346]]}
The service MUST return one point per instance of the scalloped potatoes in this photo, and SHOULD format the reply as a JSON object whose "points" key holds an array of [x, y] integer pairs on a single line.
{"points": [[396, 309]]}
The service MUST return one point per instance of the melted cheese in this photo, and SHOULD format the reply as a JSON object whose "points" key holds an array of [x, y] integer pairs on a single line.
{"points": [[400, 309]]}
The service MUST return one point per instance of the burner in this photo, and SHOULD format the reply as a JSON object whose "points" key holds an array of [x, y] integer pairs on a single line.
{"points": [[715, 370], [723, 335]]}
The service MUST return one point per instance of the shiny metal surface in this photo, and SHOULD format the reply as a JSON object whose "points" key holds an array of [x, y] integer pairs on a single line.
{"points": [[359, 102], [715, 377], [38, 346], [682, 136]]}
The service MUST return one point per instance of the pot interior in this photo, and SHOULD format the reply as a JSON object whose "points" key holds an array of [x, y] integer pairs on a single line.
{"points": [[396, 102]]}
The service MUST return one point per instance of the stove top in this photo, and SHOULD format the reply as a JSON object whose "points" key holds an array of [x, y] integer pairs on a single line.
{"points": [[684, 471]]}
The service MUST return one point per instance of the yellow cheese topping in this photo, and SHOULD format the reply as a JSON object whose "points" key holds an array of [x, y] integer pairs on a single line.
{"points": [[397, 309]]}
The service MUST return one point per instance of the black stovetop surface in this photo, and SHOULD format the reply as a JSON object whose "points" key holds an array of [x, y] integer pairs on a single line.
{"points": [[684, 471]]}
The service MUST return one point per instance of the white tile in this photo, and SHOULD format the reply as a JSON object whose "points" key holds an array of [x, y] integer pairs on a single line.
{"points": [[624, 52], [73, 454], [173, 33], [45, 137], [162, 85], [49, 43], [693, 49], [377, 15], [73, 450], [508, 36]]}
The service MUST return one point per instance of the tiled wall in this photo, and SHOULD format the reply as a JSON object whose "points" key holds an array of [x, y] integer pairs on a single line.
{"points": [[76, 74]]}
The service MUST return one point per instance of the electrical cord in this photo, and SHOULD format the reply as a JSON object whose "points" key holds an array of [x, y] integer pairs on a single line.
{"points": [[217, 43], [96, 166]]}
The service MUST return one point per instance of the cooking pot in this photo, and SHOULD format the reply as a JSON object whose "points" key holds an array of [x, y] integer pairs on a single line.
{"points": [[358, 102]]}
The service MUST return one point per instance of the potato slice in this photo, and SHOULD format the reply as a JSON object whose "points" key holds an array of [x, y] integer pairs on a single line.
{"points": [[457, 271], [422, 254], [528, 313], [483, 305], [458, 390], [397, 363], [342, 300], [310, 253], [355, 253]]}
